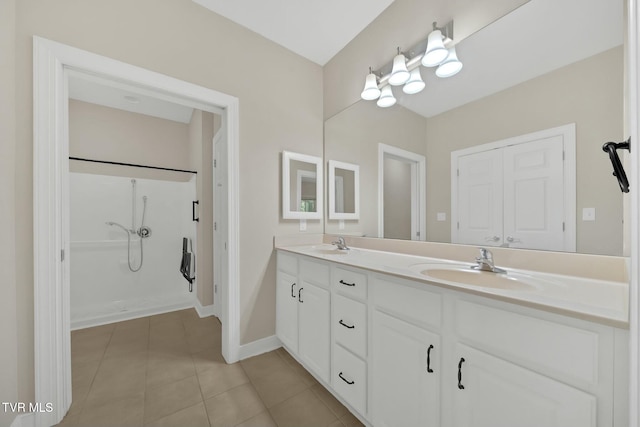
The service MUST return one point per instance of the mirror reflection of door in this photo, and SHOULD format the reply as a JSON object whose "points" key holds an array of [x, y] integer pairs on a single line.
{"points": [[345, 191], [402, 194], [303, 187]]}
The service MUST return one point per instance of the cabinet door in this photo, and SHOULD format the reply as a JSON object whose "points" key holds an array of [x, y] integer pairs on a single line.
{"points": [[405, 374], [497, 393], [314, 323], [287, 310]]}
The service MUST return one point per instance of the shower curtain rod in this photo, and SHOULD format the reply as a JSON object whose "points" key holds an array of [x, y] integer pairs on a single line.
{"points": [[131, 164]]}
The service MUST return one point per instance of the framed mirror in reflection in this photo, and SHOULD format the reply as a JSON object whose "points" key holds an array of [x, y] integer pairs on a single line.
{"points": [[344, 191], [302, 191], [573, 79]]}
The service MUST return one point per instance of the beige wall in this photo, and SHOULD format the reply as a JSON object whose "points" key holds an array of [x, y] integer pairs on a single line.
{"points": [[8, 315], [280, 109], [588, 93], [201, 131], [103, 133], [397, 199], [353, 137], [404, 23]]}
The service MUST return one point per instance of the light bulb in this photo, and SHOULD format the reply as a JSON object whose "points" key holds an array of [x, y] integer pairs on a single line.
{"points": [[399, 73], [371, 90]]}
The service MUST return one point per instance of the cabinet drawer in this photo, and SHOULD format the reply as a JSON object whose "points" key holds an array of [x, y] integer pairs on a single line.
{"points": [[287, 263], [314, 272], [350, 378], [408, 303], [350, 282], [563, 351], [350, 324]]}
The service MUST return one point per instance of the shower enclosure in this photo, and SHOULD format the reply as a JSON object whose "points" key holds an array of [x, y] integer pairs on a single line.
{"points": [[119, 268]]}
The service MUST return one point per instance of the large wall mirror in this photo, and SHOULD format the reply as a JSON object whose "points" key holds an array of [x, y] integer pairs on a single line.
{"points": [[539, 67]]}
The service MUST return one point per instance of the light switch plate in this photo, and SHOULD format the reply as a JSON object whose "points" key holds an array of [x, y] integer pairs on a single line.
{"points": [[441, 216], [588, 214], [303, 225]]}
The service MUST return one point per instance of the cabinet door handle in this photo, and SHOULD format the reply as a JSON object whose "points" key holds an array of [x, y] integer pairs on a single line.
{"points": [[346, 283], [460, 386], [292, 294], [346, 380], [429, 370], [300, 294], [345, 325]]}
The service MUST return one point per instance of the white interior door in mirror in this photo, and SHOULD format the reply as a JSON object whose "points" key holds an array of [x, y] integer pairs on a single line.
{"points": [[344, 190], [301, 186], [519, 192]]}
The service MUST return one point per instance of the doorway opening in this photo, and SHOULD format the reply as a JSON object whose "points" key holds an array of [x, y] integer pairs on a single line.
{"points": [[52, 64], [401, 214]]}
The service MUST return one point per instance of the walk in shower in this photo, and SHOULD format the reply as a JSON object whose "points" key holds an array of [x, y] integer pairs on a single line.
{"points": [[120, 269]]}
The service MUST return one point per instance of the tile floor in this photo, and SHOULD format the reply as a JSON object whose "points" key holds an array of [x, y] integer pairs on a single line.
{"points": [[167, 370]]}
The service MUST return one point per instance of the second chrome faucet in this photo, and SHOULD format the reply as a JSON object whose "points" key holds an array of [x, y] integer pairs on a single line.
{"points": [[485, 262]]}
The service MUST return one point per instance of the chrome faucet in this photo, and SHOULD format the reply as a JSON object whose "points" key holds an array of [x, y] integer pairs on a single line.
{"points": [[340, 243], [485, 262]]}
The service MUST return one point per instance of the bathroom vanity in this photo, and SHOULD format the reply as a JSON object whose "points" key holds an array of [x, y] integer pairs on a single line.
{"points": [[404, 340]]}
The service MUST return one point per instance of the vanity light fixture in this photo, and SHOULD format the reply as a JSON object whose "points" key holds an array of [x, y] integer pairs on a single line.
{"points": [[371, 90], [399, 73], [386, 97], [437, 51]]}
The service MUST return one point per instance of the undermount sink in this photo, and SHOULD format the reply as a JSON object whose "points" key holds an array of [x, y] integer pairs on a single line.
{"points": [[465, 275]]}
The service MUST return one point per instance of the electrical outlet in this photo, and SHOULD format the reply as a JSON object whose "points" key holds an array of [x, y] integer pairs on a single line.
{"points": [[589, 214]]}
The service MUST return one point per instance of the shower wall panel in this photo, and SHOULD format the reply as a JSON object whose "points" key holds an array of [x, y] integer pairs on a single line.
{"points": [[103, 289]]}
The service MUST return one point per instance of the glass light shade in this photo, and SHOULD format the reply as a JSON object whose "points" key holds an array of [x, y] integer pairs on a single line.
{"points": [[451, 66], [386, 97], [371, 90], [436, 52], [399, 73], [415, 83]]}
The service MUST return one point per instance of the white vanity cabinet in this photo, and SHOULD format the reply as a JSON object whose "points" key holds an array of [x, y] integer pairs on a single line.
{"points": [[303, 309], [410, 353]]}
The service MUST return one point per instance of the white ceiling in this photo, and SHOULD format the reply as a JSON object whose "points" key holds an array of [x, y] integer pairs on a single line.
{"points": [[314, 29]]}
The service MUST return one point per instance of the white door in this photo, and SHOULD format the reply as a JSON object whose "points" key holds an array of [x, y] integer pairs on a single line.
{"points": [[220, 235], [534, 199], [405, 374], [480, 200], [287, 310], [497, 393], [313, 332]]}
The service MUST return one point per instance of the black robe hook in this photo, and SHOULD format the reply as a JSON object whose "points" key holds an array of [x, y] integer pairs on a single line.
{"points": [[618, 169]]}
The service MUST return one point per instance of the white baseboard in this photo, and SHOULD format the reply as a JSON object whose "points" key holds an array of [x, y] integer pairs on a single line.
{"points": [[131, 314], [24, 420], [258, 347], [205, 310]]}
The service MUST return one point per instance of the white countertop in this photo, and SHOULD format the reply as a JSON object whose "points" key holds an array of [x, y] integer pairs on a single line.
{"points": [[601, 301]]}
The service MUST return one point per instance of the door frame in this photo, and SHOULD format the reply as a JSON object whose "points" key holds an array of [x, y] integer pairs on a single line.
{"points": [[51, 60], [418, 191], [633, 123]]}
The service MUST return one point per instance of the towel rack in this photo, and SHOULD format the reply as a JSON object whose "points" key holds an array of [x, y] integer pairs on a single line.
{"points": [[618, 169]]}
